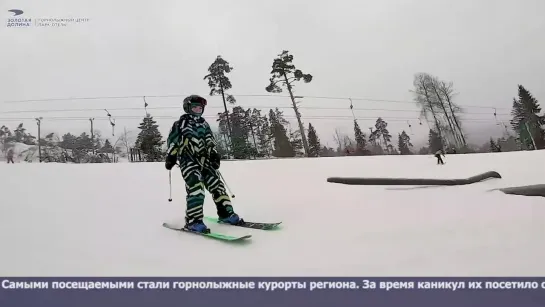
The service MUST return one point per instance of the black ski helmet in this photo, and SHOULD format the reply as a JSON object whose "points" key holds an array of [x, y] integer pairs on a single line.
{"points": [[191, 101]]}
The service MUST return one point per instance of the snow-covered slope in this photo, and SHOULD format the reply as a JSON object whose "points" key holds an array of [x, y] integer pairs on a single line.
{"points": [[105, 219]]}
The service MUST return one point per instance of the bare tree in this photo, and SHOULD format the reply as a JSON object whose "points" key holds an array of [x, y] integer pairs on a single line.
{"points": [[348, 143], [338, 137], [434, 86], [425, 98], [447, 91], [435, 97], [124, 140]]}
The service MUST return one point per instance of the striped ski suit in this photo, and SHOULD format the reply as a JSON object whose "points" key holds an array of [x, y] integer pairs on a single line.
{"points": [[192, 141]]}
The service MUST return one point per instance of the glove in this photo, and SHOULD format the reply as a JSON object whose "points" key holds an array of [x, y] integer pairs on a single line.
{"points": [[170, 161], [215, 159]]}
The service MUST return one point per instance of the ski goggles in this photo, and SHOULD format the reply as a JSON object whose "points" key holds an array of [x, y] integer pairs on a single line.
{"points": [[197, 101]]}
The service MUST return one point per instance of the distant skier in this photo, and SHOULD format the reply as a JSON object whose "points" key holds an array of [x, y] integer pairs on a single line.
{"points": [[9, 156], [192, 144], [438, 156]]}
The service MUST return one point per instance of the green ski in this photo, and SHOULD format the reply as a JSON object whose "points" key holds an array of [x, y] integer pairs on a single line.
{"points": [[251, 225], [214, 235]]}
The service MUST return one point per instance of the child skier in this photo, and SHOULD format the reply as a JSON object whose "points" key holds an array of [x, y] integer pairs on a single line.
{"points": [[10, 156], [192, 144], [438, 156]]}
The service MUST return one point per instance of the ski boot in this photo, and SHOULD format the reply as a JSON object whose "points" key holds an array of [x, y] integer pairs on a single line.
{"points": [[197, 226], [232, 219]]}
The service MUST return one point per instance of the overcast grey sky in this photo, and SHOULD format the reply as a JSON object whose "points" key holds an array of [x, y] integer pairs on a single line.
{"points": [[353, 48]]}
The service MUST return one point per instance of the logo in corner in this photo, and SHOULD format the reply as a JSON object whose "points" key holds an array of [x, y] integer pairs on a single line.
{"points": [[16, 12], [17, 21]]}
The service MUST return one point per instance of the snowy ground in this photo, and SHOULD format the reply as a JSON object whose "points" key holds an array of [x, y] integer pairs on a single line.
{"points": [[105, 220]]}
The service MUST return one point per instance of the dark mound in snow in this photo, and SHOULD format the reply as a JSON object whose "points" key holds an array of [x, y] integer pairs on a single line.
{"points": [[526, 190], [413, 181]]}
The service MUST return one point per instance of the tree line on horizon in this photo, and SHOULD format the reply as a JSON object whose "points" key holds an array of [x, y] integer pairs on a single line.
{"points": [[253, 133]]}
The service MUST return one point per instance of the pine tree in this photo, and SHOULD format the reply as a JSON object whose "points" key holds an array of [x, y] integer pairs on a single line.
{"points": [[327, 152], [68, 141], [392, 150], [83, 142], [223, 131], [314, 145], [284, 72], [360, 139], [381, 133], [296, 142], [494, 147], [219, 83], [254, 121], [264, 137], [82, 146], [107, 147], [149, 140], [240, 131], [281, 141], [374, 141], [526, 121], [404, 143]]}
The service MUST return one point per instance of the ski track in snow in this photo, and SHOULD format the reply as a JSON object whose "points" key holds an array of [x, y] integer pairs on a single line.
{"points": [[105, 220]]}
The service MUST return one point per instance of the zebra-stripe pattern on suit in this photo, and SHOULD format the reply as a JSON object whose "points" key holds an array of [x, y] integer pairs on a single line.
{"points": [[191, 139]]}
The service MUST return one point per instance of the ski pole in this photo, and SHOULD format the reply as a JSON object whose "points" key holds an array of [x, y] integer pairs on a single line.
{"points": [[170, 185], [224, 182]]}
